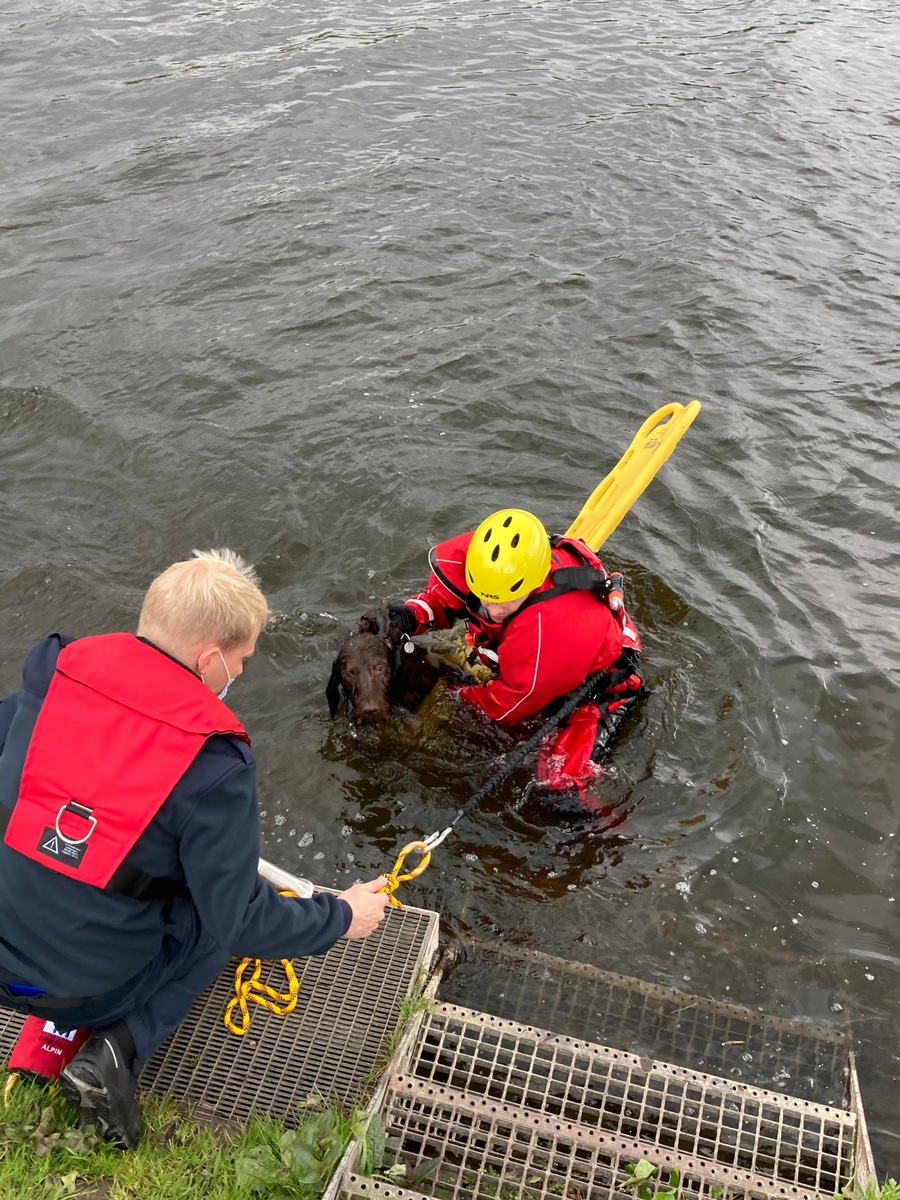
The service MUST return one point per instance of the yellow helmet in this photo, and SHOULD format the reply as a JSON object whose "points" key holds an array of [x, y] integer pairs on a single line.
{"points": [[508, 557]]}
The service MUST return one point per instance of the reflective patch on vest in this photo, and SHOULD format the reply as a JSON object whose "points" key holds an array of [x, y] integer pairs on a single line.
{"points": [[53, 846]]}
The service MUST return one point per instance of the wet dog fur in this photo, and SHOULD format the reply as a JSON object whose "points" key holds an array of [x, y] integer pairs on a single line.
{"points": [[379, 671]]}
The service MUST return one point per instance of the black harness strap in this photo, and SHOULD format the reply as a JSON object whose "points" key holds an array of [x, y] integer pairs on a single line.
{"points": [[126, 880], [583, 578], [129, 881], [468, 600], [568, 579]]}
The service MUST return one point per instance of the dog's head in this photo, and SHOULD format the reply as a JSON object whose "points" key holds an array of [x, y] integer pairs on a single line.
{"points": [[381, 666], [364, 669]]}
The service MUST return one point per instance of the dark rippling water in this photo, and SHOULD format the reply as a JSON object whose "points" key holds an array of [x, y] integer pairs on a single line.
{"points": [[328, 282]]}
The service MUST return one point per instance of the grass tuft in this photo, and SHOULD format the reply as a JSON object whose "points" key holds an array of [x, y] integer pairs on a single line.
{"points": [[182, 1155]]}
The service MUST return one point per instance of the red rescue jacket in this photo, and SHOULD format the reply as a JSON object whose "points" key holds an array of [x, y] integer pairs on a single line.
{"points": [[542, 651], [120, 725]]}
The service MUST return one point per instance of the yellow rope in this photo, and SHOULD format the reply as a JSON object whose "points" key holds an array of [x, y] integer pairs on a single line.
{"points": [[251, 990], [394, 878], [10, 1084]]}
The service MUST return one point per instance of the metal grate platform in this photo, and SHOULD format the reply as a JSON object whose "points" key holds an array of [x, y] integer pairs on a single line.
{"points": [[349, 1005], [785, 1140], [804, 1060], [491, 1151]]}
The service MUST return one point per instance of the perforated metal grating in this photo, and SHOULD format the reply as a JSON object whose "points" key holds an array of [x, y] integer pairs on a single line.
{"points": [[786, 1140], [804, 1060], [350, 1002], [491, 1151]]}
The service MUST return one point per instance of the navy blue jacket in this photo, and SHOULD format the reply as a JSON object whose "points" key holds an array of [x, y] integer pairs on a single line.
{"points": [[72, 939]]}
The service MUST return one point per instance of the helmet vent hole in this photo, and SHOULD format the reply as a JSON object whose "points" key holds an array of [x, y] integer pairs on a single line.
{"points": [[487, 534], [495, 553], [507, 523], [515, 541], [515, 587]]}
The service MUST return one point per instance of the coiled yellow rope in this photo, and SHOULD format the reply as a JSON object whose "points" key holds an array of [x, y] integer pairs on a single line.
{"points": [[250, 989]]}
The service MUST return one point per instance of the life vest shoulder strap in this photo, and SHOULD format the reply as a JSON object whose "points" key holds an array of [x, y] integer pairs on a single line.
{"points": [[586, 576]]}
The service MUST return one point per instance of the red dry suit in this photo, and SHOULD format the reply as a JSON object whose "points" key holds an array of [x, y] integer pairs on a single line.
{"points": [[544, 650]]}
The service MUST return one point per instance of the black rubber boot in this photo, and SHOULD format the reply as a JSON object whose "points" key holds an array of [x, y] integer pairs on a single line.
{"points": [[100, 1082]]}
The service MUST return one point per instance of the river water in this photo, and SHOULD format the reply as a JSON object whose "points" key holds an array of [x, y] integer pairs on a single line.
{"points": [[327, 283]]}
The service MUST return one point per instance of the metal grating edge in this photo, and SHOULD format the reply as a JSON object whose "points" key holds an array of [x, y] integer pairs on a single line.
{"points": [[832, 1036], [460, 1115], [864, 1166], [400, 1061], [692, 1113]]}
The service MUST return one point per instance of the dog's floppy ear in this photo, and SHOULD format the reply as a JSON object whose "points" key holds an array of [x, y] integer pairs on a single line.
{"points": [[333, 691]]}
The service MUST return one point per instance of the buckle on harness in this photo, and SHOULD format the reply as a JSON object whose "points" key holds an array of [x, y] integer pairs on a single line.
{"points": [[61, 847], [77, 810]]}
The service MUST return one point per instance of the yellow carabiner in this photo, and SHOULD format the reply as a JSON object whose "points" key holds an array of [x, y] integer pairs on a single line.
{"points": [[394, 878]]}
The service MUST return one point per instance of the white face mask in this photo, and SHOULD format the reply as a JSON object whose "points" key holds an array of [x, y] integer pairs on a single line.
{"points": [[224, 692]]}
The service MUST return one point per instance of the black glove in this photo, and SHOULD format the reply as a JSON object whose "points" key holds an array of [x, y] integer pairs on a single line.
{"points": [[389, 620]]}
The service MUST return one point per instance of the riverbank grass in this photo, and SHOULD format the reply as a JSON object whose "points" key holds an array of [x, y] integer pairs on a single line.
{"points": [[44, 1156]]}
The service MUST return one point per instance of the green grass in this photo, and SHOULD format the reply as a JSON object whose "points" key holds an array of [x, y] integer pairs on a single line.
{"points": [[184, 1154], [44, 1156]]}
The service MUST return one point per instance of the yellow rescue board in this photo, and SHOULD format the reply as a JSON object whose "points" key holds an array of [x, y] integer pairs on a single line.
{"points": [[614, 496]]}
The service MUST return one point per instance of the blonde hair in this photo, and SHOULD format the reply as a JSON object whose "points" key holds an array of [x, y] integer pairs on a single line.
{"points": [[212, 597]]}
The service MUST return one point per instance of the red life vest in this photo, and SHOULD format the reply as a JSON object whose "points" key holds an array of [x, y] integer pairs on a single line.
{"points": [[120, 725], [587, 574]]}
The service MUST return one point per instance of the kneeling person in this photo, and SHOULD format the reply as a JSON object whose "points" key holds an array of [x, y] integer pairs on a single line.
{"points": [[129, 862]]}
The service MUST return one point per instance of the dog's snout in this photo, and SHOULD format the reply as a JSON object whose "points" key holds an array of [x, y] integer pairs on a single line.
{"points": [[370, 714], [370, 711]]}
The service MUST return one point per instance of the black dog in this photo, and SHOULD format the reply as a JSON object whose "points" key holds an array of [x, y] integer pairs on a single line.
{"points": [[378, 670]]}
